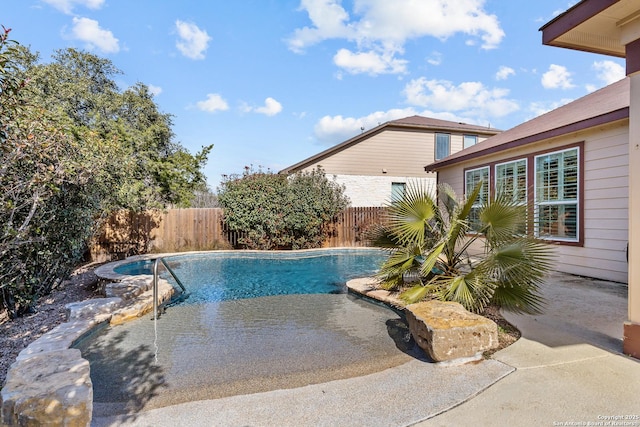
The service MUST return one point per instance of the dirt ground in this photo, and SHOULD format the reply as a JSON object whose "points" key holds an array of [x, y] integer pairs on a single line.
{"points": [[17, 334]]}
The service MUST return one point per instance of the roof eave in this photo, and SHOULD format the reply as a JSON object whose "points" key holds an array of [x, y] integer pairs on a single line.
{"points": [[364, 135], [613, 116], [558, 31]]}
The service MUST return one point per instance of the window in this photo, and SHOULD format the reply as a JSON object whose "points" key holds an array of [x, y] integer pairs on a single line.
{"points": [[511, 179], [469, 140], [442, 145], [397, 190], [556, 189], [471, 179]]}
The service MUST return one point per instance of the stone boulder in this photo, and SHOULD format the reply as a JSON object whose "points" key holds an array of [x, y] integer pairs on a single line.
{"points": [[446, 331], [52, 389]]}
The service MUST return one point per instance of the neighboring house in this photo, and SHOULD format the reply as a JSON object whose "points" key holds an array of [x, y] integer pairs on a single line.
{"points": [[378, 163], [570, 166]]}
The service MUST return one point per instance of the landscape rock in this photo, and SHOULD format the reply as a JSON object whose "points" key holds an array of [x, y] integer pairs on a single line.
{"points": [[49, 382], [143, 304], [129, 288], [90, 309], [61, 337], [52, 389], [447, 332]]}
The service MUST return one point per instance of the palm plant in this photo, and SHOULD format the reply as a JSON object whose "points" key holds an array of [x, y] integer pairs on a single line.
{"points": [[431, 241]]}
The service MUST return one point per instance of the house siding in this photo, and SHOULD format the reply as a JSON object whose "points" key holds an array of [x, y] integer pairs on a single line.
{"points": [[399, 153], [375, 191], [605, 203], [391, 152]]}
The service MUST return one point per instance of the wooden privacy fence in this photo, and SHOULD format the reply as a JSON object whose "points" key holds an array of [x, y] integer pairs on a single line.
{"points": [[176, 230]]}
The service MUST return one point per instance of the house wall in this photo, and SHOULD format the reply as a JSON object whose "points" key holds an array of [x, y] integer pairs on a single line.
{"points": [[368, 168], [603, 250], [375, 191], [390, 152]]}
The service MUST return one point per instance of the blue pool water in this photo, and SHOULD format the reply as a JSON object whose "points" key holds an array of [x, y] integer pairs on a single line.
{"points": [[223, 276], [223, 341]]}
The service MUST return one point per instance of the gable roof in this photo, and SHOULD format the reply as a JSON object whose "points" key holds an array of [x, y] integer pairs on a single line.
{"points": [[606, 105], [419, 123]]}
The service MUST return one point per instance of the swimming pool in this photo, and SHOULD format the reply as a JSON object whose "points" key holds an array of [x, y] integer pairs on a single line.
{"points": [[219, 344], [223, 276]]}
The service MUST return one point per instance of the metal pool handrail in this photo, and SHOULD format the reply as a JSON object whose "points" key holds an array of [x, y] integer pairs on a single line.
{"points": [[183, 294]]}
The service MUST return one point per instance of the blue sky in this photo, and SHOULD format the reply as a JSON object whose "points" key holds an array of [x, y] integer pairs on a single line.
{"points": [[271, 82]]}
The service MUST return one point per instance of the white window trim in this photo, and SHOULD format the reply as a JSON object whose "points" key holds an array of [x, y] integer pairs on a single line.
{"points": [[474, 170], [477, 203], [526, 176], [538, 204]]}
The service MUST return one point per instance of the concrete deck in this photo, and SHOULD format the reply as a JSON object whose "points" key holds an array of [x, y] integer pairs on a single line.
{"points": [[567, 368]]}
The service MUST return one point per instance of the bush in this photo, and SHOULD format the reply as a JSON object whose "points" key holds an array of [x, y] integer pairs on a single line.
{"points": [[274, 211], [72, 149]]}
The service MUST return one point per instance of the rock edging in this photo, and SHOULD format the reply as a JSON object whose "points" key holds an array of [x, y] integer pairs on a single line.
{"points": [[50, 383], [447, 332]]}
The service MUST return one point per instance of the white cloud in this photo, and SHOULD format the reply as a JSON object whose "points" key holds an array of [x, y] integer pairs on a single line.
{"points": [[397, 21], [609, 71], [155, 90], [435, 58], [335, 129], [383, 26], [471, 99], [271, 107], [67, 6], [329, 20], [369, 62], [213, 103], [504, 73], [558, 77], [193, 41], [89, 31]]}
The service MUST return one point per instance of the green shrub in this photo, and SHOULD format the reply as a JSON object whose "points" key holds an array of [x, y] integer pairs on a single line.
{"points": [[273, 211]]}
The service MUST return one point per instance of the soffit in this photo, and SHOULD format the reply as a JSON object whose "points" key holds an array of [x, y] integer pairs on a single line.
{"points": [[599, 26]]}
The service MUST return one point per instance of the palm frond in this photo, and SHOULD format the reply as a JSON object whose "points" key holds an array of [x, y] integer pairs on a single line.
{"points": [[401, 261], [459, 221], [409, 215], [523, 261], [471, 290], [448, 198], [382, 237], [502, 217], [431, 259], [414, 294], [519, 299]]}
